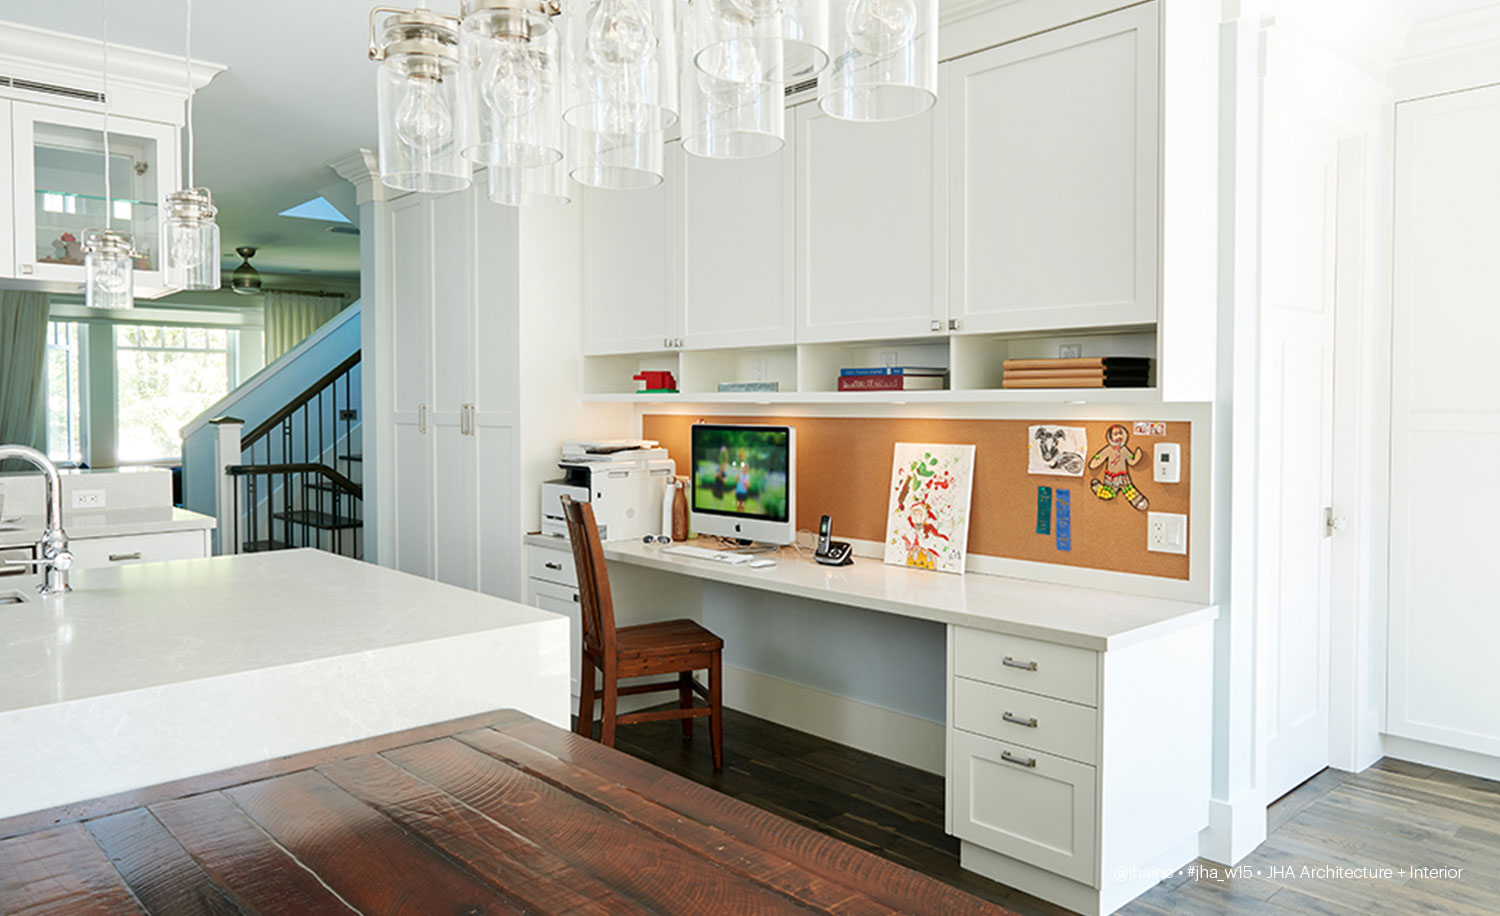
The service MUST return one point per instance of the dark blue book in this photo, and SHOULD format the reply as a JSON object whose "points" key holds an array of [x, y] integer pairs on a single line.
{"points": [[895, 370]]}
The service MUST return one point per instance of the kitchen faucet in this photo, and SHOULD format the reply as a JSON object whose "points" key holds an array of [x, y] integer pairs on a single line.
{"points": [[55, 559]]}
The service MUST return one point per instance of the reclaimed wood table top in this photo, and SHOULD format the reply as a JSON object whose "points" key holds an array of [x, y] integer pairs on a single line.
{"points": [[493, 814]]}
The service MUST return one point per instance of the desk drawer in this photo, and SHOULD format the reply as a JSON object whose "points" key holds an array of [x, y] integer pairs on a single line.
{"points": [[98, 553], [1064, 672], [552, 564], [1025, 804], [1039, 722]]}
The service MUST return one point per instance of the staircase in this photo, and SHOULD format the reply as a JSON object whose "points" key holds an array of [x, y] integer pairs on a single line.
{"points": [[298, 482]]}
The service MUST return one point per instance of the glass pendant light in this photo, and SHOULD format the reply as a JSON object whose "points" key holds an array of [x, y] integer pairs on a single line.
{"points": [[511, 82], [108, 256], [192, 234], [622, 72], [538, 186], [423, 124], [883, 59], [783, 40], [731, 118]]}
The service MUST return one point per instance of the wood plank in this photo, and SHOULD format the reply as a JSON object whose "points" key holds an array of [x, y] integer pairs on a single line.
{"points": [[615, 851], [529, 872], [904, 891], [363, 856], [61, 872], [242, 859], [163, 876]]}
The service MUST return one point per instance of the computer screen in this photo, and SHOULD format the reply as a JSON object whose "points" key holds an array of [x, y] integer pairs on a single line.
{"points": [[742, 481]]}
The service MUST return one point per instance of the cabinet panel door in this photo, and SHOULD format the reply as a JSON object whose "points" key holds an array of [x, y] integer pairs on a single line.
{"points": [[1053, 159], [497, 532], [128, 550], [737, 232], [411, 514], [455, 253], [871, 226], [455, 520], [629, 292], [7, 210], [411, 309], [563, 599]]}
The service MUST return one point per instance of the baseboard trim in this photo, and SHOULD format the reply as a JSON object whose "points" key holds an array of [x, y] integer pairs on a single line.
{"points": [[1426, 753], [1235, 828], [898, 736]]}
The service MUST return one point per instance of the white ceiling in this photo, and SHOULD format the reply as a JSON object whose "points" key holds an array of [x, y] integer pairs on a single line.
{"points": [[1423, 10], [299, 92]]}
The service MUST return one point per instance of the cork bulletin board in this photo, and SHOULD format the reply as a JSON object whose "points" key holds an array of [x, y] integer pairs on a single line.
{"points": [[844, 470]]}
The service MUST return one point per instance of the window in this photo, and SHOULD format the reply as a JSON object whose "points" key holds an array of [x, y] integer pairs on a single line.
{"points": [[64, 393], [164, 377]]}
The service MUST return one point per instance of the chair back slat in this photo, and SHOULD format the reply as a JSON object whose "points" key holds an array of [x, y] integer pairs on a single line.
{"points": [[598, 610]]}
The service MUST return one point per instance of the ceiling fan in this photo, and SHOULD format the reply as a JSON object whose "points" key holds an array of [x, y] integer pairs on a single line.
{"points": [[246, 279]]}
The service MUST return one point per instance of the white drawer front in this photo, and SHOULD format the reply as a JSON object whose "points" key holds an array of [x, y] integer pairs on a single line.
{"points": [[561, 599], [551, 564], [1025, 804], [97, 553], [1043, 723], [1064, 672]]}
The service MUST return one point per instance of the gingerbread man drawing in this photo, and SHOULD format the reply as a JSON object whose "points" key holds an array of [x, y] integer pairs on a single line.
{"points": [[1117, 457]]}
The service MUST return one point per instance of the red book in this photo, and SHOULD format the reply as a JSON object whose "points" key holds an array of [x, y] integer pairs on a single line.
{"points": [[891, 382]]}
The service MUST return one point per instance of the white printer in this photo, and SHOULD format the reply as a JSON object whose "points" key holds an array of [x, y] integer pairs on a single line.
{"points": [[623, 479]]}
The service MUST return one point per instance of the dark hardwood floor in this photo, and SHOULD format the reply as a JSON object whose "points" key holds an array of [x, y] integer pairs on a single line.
{"points": [[1395, 815]]}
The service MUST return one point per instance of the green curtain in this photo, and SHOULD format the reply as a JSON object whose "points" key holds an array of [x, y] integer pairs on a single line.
{"points": [[23, 369], [292, 316]]}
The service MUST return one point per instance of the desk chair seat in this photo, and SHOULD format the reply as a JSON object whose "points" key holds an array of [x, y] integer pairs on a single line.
{"points": [[678, 647]]}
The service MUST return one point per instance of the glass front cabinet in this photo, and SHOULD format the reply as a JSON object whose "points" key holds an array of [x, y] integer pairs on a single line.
{"points": [[58, 191]]}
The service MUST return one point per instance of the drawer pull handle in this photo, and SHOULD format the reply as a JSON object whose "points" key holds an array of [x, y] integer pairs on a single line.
{"points": [[121, 557], [575, 597], [1017, 720], [1008, 757], [1009, 662], [556, 566]]}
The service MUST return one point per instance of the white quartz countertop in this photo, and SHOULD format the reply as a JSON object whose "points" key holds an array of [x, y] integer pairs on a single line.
{"points": [[80, 525], [1084, 617], [133, 627]]}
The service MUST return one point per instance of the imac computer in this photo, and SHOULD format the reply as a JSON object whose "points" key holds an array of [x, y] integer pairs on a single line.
{"points": [[743, 482]]}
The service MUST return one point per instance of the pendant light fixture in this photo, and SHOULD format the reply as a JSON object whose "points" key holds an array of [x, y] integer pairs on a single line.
{"points": [[192, 234], [424, 125], [511, 83], [538, 186], [783, 40], [884, 60], [724, 117], [108, 255]]}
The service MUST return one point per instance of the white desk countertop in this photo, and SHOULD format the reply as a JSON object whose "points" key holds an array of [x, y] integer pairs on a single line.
{"points": [[158, 671], [1067, 615], [80, 525]]}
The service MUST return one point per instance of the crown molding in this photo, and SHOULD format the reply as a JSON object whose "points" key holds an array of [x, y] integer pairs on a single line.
{"points": [[70, 60], [1369, 34], [1450, 54], [1451, 35], [361, 168]]}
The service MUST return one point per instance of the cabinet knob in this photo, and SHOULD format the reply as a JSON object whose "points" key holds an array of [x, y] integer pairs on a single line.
{"points": [[954, 324], [937, 325]]}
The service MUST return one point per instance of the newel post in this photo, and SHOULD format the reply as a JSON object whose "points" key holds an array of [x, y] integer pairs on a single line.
{"points": [[226, 454]]}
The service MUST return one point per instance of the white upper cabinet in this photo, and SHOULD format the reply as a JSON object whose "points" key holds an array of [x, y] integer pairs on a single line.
{"points": [[737, 236], [871, 211], [7, 211], [1054, 169], [57, 190], [629, 264]]}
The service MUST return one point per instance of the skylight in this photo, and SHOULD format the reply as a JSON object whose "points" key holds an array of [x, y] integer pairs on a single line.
{"points": [[317, 208]]}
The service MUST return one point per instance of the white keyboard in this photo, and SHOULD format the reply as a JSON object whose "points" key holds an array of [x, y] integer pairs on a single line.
{"points": [[701, 553]]}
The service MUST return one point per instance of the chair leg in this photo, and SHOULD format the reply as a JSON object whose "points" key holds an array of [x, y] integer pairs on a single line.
{"points": [[611, 696], [586, 698], [716, 707], [685, 700]]}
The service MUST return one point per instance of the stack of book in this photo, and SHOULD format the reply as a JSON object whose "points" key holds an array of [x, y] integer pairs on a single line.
{"points": [[893, 378], [1084, 372]]}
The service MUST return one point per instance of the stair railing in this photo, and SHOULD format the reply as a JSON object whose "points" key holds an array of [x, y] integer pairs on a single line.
{"points": [[292, 484]]}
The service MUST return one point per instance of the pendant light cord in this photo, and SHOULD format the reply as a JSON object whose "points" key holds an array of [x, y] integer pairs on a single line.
{"points": [[188, 52], [108, 201]]}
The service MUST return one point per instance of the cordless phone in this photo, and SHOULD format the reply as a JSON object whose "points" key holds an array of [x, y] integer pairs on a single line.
{"points": [[831, 552]]}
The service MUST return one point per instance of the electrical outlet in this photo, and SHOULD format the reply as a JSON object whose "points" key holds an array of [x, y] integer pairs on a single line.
{"points": [[348, 414], [88, 499], [760, 370], [1166, 532], [1070, 351], [888, 358]]}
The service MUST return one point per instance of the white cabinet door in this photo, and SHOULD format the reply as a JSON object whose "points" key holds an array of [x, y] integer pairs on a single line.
{"points": [[563, 599], [1444, 402], [1054, 169], [7, 210], [630, 294], [736, 238], [410, 514], [871, 227], [128, 550]]}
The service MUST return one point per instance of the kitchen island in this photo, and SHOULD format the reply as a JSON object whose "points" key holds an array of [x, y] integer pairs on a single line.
{"points": [[158, 672]]}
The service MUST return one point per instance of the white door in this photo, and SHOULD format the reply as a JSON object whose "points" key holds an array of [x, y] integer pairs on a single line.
{"points": [[871, 227], [455, 253], [1053, 161], [1443, 685], [493, 418], [736, 238], [629, 266], [410, 516], [1299, 242]]}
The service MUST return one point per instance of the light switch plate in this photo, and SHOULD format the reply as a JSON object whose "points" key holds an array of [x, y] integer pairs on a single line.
{"points": [[1166, 532], [1166, 462], [1070, 351]]}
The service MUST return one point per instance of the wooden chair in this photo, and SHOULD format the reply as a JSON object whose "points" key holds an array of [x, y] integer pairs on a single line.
{"points": [[677, 647]]}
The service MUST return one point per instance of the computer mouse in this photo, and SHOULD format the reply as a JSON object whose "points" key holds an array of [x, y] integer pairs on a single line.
{"points": [[761, 563]]}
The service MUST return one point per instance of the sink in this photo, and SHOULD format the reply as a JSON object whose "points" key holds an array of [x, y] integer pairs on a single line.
{"points": [[12, 598]]}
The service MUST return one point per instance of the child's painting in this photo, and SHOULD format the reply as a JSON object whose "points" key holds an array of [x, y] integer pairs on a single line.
{"points": [[1117, 457], [1056, 450], [928, 526]]}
